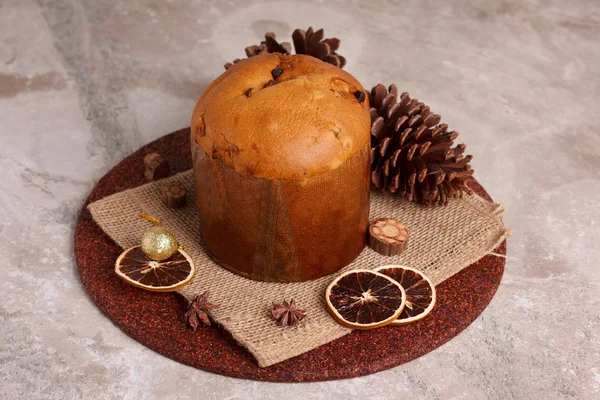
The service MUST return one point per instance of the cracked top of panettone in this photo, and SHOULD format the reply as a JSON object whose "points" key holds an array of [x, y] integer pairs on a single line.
{"points": [[278, 116]]}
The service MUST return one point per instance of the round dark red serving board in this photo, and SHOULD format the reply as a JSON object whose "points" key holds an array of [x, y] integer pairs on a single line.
{"points": [[155, 319]]}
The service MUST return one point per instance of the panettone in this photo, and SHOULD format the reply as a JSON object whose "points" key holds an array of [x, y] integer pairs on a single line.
{"points": [[281, 151]]}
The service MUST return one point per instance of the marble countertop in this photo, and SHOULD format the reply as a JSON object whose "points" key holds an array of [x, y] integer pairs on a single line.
{"points": [[84, 83]]}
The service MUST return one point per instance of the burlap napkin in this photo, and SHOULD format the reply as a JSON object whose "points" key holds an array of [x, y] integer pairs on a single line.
{"points": [[443, 240]]}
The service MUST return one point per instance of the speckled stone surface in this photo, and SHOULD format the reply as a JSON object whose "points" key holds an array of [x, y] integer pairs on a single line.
{"points": [[156, 320], [84, 83]]}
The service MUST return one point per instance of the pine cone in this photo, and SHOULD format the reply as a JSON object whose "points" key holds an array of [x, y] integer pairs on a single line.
{"points": [[412, 153], [312, 44], [269, 45], [309, 43]]}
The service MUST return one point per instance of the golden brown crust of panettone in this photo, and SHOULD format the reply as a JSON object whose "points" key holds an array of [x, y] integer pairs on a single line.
{"points": [[308, 123]]}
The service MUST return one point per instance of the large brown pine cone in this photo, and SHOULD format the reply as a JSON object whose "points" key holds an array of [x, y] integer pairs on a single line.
{"points": [[305, 42], [269, 45], [313, 44], [412, 153]]}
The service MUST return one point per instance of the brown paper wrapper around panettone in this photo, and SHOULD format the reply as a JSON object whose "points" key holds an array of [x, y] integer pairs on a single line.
{"points": [[282, 230]]}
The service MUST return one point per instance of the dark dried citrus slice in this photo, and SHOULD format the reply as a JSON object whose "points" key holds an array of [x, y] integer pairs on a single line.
{"points": [[420, 292], [159, 276], [364, 299]]}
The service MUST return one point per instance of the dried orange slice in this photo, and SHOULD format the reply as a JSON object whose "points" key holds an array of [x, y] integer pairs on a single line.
{"points": [[158, 276], [420, 292], [364, 299]]}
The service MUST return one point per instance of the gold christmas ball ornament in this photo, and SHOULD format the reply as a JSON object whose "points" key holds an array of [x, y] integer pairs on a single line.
{"points": [[158, 243]]}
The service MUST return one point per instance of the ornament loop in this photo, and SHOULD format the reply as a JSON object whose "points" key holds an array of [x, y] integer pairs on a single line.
{"points": [[149, 218]]}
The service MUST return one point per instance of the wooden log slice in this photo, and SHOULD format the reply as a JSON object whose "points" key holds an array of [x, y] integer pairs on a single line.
{"points": [[388, 236], [156, 167], [173, 194]]}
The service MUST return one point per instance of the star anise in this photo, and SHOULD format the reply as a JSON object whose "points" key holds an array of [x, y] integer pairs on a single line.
{"points": [[197, 312], [287, 314]]}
